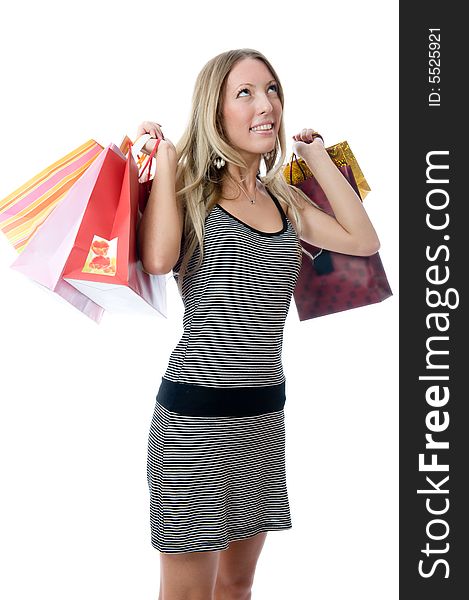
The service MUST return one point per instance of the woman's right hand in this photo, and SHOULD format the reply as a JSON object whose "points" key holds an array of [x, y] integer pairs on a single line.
{"points": [[151, 127], [154, 129]]}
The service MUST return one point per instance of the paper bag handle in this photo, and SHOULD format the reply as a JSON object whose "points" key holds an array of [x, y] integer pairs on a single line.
{"points": [[137, 146]]}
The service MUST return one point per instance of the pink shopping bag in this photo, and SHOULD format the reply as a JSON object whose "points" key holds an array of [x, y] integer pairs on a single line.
{"points": [[44, 257]]}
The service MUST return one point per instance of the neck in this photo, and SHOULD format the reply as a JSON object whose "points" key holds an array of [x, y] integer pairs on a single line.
{"points": [[246, 178]]}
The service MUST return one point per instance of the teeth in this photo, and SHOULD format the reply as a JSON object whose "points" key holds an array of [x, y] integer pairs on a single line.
{"points": [[261, 128]]}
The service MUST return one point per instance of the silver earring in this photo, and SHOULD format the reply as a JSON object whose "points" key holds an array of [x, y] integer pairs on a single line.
{"points": [[219, 162]]}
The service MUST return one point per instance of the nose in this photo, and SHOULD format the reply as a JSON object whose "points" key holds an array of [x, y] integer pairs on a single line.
{"points": [[265, 106]]}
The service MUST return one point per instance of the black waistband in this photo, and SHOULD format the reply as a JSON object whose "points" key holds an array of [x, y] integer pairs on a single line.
{"points": [[197, 400]]}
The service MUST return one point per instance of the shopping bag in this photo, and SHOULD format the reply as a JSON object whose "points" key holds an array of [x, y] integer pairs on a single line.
{"points": [[23, 211], [103, 262], [145, 166], [46, 253], [331, 282], [341, 154]]}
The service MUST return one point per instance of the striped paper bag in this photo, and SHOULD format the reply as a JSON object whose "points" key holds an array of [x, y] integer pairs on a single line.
{"points": [[24, 210]]}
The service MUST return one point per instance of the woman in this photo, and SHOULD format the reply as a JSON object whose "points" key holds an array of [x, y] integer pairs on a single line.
{"points": [[216, 449]]}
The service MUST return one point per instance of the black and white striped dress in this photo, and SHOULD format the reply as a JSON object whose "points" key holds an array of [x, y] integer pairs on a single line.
{"points": [[216, 447]]}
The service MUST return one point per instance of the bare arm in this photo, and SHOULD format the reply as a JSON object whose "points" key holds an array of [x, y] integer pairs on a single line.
{"points": [[160, 229], [351, 231]]}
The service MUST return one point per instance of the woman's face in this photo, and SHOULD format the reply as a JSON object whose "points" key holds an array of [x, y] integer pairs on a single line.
{"points": [[250, 98]]}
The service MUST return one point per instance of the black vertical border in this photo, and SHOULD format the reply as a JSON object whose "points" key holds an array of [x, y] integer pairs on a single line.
{"points": [[425, 128]]}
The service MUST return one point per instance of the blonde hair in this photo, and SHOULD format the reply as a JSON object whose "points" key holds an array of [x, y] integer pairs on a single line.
{"points": [[203, 140]]}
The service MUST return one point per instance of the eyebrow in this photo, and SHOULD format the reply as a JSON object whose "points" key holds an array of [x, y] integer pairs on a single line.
{"points": [[252, 85]]}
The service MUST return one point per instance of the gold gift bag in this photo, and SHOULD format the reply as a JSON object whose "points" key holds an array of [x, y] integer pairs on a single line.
{"points": [[341, 154]]}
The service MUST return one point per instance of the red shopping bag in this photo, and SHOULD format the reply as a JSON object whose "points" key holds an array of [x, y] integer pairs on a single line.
{"points": [[103, 262], [331, 282]]}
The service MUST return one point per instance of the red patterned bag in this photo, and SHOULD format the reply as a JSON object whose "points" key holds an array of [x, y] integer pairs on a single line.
{"points": [[331, 282]]}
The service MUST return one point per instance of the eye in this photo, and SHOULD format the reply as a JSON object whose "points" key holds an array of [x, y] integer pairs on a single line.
{"points": [[274, 85]]}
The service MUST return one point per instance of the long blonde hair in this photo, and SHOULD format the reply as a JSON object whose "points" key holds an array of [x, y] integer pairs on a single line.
{"points": [[203, 140]]}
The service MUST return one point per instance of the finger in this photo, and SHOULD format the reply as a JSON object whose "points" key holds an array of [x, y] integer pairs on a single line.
{"points": [[307, 135], [155, 131], [149, 127]]}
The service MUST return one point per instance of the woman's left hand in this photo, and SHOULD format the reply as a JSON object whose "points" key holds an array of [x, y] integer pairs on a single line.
{"points": [[305, 141]]}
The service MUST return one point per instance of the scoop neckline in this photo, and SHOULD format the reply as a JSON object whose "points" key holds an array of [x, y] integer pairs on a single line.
{"points": [[265, 233]]}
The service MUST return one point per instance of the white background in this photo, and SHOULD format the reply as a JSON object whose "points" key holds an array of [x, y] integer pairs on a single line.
{"points": [[77, 398]]}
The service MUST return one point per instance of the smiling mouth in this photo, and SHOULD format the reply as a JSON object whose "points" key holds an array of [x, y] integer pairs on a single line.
{"points": [[262, 130]]}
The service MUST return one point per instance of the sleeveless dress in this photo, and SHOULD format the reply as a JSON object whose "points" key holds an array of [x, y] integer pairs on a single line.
{"points": [[216, 446]]}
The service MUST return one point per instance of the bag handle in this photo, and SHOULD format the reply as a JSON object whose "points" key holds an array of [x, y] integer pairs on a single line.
{"points": [[140, 143], [136, 148], [295, 158], [150, 160]]}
